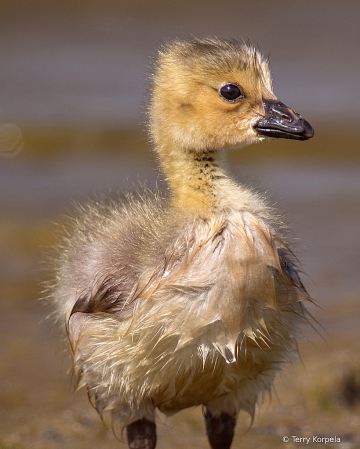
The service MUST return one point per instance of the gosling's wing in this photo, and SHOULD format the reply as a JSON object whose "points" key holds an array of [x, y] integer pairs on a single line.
{"points": [[291, 270]]}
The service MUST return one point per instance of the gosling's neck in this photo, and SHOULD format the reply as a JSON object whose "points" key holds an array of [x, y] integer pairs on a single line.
{"points": [[198, 180]]}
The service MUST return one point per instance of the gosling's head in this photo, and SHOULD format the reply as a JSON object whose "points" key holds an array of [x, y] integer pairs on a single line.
{"points": [[211, 94]]}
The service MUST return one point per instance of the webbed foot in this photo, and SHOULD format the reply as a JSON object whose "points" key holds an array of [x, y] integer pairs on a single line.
{"points": [[220, 429], [141, 434]]}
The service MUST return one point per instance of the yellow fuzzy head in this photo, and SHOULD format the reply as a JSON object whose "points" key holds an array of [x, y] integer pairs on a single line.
{"points": [[187, 106]]}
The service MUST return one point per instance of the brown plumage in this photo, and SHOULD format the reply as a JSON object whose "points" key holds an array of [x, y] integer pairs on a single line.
{"points": [[190, 298]]}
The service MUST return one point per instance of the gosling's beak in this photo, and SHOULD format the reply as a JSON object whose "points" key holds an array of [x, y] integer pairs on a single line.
{"points": [[281, 121]]}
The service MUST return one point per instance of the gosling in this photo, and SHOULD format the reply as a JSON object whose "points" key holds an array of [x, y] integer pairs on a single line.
{"points": [[192, 297]]}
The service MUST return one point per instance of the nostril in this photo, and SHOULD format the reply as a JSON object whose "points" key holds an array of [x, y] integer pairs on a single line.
{"points": [[281, 114], [285, 117]]}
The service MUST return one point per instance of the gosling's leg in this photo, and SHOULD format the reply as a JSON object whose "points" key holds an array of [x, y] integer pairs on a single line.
{"points": [[220, 429], [141, 434]]}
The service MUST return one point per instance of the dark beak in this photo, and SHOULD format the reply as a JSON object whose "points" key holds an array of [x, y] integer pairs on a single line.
{"points": [[281, 121]]}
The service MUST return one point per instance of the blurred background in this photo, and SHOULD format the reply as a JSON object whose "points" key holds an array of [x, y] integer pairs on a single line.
{"points": [[73, 76]]}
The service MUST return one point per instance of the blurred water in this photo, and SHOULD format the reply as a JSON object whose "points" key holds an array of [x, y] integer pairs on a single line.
{"points": [[86, 61]]}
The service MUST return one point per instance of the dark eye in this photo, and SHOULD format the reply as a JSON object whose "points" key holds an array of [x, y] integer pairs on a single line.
{"points": [[230, 92]]}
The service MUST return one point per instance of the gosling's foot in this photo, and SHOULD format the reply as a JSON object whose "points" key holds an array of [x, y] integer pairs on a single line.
{"points": [[141, 434], [220, 429]]}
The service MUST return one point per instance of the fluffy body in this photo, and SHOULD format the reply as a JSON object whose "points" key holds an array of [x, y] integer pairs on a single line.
{"points": [[191, 298]]}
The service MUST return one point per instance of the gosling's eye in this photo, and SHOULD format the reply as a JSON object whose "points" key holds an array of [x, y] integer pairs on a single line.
{"points": [[230, 92]]}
